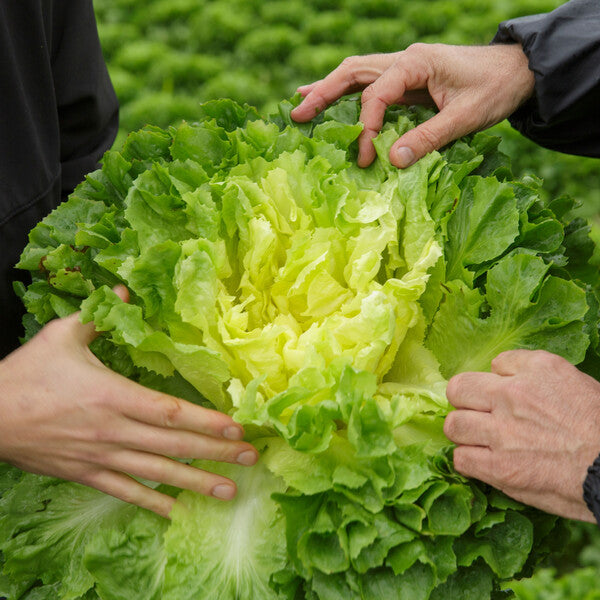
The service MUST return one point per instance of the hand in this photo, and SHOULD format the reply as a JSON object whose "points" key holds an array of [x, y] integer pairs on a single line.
{"points": [[473, 87], [66, 415], [530, 428]]}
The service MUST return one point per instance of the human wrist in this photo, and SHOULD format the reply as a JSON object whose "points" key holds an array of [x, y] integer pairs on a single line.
{"points": [[516, 66], [8, 400]]}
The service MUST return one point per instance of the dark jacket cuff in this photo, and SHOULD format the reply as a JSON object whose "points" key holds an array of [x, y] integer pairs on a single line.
{"points": [[591, 489], [563, 49]]}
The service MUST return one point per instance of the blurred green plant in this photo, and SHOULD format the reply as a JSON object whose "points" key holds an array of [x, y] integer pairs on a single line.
{"points": [[574, 573]]}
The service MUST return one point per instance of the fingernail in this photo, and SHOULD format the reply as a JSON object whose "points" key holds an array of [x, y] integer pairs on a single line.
{"points": [[223, 491], [233, 433], [404, 157], [247, 458]]}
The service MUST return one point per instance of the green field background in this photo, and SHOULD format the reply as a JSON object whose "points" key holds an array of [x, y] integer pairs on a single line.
{"points": [[167, 56]]}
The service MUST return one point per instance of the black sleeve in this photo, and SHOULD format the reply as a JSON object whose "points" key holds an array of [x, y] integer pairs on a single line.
{"points": [[58, 115], [85, 99], [591, 489], [563, 48]]}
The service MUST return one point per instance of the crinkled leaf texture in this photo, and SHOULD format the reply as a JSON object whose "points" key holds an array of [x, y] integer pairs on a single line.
{"points": [[323, 306]]}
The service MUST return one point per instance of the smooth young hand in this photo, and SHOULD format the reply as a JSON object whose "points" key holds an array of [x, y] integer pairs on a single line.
{"points": [[473, 87], [64, 414], [530, 428]]}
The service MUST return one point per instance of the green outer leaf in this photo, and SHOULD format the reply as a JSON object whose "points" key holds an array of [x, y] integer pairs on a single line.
{"points": [[483, 225], [505, 546], [129, 562], [40, 513], [527, 309], [238, 544]]}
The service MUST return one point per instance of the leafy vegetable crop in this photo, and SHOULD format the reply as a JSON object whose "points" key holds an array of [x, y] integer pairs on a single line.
{"points": [[325, 307]]}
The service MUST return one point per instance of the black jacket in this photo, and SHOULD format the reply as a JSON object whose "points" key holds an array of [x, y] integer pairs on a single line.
{"points": [[563, 48], [58, 114]]}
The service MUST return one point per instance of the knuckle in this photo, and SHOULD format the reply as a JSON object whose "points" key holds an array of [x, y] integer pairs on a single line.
{"points": [[157, 502], [427, 137], [417, 48], [92, 456], [516, 388], [537, 357], [497, 360], [128, 495], [508, 361], [320, 99], [349, 67], [474, 464], [507, 472], [451, 426], [171, 411], [460, 459], [89, 477], [549, 360], [519, 406], [104, 435], [368, 94], [349, 63], [182, 449], [100, 399], [196, 479], [540, 359], [400, 67], [221, 451], [455, 387]]}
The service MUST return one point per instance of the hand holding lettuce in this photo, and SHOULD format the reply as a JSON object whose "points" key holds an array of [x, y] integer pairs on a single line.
{"points": [[66, 415], [529, 428], [474, 87], [324, 307]]}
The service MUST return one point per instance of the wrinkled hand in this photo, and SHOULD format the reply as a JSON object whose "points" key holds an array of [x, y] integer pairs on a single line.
{"points": [[64, 414], [530, 428], [473, 87]]}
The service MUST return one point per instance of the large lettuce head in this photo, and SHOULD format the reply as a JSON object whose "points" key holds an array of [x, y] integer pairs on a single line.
{"points": [[325, 307]]}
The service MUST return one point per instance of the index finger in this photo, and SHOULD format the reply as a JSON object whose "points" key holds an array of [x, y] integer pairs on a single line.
{"points": [[353, 74], [162, 410], [404, 74]]}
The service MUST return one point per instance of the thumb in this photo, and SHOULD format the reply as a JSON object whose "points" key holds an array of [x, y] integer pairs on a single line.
{"points": [[444, 127], [85, 333]]}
